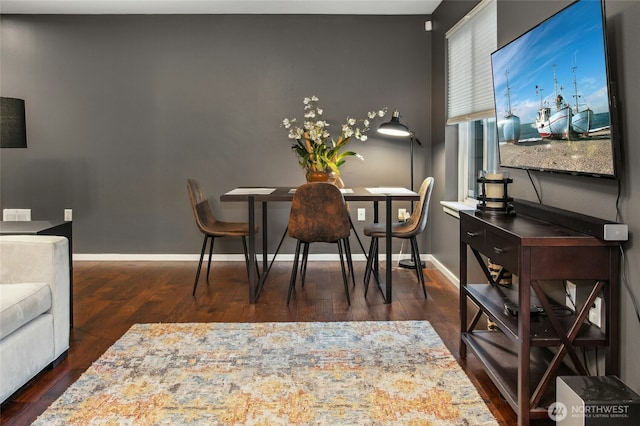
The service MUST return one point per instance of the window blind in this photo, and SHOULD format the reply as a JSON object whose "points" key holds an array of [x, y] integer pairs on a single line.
{"points": [[469, 80]]}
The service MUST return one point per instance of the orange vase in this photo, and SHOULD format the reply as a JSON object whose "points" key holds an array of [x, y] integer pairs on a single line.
{"points": [[321, 176]]}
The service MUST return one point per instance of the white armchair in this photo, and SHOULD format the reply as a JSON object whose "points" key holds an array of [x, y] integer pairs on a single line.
{"points": [[34, 307]]}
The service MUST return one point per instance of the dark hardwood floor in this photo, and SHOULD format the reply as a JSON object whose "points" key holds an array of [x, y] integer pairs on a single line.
{"points": [[109, 297]]}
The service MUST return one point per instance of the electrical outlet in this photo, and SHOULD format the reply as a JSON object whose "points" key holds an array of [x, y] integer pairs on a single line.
{"points": [[16, 215], [595, 313], [68, 215], [402, 214], [361, 214], [570, 301]]}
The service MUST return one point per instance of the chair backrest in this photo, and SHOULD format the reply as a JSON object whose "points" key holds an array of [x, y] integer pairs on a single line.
{"points": [[200, 205], [319, 213], [418, 219]]}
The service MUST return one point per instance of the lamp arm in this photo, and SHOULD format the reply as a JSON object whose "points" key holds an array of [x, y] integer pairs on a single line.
{"points": [[413, 138]]}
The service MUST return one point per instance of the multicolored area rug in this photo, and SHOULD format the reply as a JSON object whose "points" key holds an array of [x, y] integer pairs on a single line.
{"points": [[336, 373]]}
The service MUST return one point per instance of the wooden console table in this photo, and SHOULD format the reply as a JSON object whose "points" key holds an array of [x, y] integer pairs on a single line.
{"points": [[46, 227], [518, 358]]}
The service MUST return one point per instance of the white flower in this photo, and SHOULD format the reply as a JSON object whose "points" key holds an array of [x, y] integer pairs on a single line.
{"points": [[347, 132], [321, 150]]}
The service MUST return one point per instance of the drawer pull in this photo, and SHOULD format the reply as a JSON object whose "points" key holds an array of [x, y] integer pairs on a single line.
{"points": [[498, 250], [473, 234]]}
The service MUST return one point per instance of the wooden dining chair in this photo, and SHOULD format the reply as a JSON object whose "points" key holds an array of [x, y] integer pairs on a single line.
{"points": [[409, 230], [211, 227], [319, 214]]}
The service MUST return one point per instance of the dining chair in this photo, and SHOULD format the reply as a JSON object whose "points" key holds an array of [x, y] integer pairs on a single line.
{"points": [[319, 214], [409, 230], [211, 227]]}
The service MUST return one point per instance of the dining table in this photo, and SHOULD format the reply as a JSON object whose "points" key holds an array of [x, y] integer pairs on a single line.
{"points": [[264, 195]]}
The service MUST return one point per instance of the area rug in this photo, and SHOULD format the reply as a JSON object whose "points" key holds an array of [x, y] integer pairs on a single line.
{"points": [[331, 373]]}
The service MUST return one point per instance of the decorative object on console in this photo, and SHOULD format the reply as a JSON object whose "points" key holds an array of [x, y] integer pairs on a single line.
{"points": [[501, 277], [494, 195], [12, 123], [396, 128], [314, 146]]}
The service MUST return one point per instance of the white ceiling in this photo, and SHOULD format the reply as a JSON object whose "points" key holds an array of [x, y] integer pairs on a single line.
{"points": [[339, 7]]}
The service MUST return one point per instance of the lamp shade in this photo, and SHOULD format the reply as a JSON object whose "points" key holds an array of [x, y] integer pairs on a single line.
{"points": [[394, 127], [13, 128]]}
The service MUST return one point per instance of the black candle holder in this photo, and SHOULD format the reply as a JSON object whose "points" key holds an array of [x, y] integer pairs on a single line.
{"points": [[494, 205]]}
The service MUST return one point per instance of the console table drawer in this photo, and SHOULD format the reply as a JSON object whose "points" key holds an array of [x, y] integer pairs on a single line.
{"points": [[473, 233], [502, 251]]}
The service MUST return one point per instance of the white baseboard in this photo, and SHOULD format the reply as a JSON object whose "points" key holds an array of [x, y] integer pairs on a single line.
{"points": [[216, 257], [120, 257], [446, 272]]}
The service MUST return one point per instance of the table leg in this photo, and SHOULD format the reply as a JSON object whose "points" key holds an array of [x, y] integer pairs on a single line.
{"points": [[376, 218], [252, 251], [265, 264], [264, 237], [388, 240]]}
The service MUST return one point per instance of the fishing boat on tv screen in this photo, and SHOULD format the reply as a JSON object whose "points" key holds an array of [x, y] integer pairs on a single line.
{"points": [[552, 93]]}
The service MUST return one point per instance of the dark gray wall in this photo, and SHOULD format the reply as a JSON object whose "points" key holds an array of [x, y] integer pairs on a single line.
{"points": [[587, 195], [122, 109]]}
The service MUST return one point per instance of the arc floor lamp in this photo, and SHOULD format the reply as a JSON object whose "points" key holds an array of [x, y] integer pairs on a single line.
{"points": [[395, 128]]}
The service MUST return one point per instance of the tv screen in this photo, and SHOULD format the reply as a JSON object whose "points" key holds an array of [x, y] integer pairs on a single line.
{"points": [[552, 95]]}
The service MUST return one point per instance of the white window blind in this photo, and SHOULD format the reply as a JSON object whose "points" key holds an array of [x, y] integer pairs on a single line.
{"points": [[469, 81]]}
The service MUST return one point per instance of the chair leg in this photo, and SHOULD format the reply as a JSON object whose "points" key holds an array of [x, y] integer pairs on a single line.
{"points": [[210, 254], [367, 269], [344, 272], [347, 248], [373, 248], [305, 259], [418, 264], [204, 247], [294, 271]]}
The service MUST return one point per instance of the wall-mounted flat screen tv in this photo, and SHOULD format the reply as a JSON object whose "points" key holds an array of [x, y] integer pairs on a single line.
{"points": [[553, 96]]}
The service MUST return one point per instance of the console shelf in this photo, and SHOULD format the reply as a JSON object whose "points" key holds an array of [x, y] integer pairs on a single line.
{"points": [[528, 351], [491, 300], [499, 355]]}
